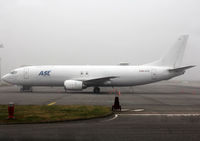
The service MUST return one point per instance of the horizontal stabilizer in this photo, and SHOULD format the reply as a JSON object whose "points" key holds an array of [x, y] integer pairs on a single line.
{"points": [[181, 69]]}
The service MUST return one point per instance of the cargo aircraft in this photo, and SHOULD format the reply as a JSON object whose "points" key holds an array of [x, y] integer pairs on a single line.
{"points": [[83, 76]]}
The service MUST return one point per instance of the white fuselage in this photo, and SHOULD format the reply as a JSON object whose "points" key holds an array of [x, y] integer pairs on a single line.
{"points": [[56, 75], [80, 77]]}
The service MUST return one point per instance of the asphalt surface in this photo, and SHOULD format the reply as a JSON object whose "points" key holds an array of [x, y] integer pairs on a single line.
{"points": [[163, 111]]}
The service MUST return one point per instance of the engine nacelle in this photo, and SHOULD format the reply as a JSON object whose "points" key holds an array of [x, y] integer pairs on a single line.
{"points": [[74, 85]]}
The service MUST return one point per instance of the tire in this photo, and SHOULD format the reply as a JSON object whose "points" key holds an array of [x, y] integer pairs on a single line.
{"points": [[96, 90]]}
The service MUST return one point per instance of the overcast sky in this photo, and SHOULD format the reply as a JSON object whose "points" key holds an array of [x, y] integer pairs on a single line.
{"points": [[97, 32]]}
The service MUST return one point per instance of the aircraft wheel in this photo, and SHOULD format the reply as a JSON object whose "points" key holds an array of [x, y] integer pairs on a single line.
{"points": [[66, 91], [21, 90], [26, 88], [96, 90]]}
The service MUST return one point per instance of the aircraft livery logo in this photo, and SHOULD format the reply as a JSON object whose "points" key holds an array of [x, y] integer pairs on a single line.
{"points": [[44, 73]]}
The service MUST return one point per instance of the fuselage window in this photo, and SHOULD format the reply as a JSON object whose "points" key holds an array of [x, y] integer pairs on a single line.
{"points": [[13, 72]]}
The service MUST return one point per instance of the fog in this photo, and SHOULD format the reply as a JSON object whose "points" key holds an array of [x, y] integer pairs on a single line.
{"points": [[97, 32]]}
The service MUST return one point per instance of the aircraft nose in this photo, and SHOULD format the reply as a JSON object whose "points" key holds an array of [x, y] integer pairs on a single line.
{"points": [[5, 78]]}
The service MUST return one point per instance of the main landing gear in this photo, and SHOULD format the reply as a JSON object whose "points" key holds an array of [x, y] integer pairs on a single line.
{"points": [[96, 90], [26, 88]]}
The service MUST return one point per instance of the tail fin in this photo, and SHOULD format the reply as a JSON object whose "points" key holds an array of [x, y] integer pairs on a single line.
{"points": [[175, 55]]}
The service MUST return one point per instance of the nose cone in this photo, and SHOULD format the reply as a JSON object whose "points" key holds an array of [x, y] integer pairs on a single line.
{"points": [[5, 78]]}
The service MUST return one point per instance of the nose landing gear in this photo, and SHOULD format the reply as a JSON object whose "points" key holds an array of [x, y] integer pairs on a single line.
{"points": [[26, 88]]}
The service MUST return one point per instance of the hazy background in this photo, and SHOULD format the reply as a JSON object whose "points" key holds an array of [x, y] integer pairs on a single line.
{"points": [[97, 32]]}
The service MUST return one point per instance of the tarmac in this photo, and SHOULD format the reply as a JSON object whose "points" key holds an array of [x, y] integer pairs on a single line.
{"points": [[160, 111]]}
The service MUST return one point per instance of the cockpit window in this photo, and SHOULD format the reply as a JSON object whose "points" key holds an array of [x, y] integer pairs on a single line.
{"points": [[13, 72]]}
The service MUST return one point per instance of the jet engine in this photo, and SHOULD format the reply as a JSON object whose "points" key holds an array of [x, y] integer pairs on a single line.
{"points": [[74, 85]]}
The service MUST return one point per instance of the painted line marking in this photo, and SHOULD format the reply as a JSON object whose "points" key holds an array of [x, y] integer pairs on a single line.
{"points": [[123, 110], [169, 115], [138, 110], [52, 103], [116, 115]]}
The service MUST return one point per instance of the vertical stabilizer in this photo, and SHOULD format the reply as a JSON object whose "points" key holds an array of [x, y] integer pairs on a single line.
{"points": [[174, 56]]}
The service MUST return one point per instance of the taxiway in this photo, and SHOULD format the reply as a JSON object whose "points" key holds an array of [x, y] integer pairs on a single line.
{"points": [[162, 111]]}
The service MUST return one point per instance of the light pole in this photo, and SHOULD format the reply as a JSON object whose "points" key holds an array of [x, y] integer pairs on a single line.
{"points": [[1, 46]]}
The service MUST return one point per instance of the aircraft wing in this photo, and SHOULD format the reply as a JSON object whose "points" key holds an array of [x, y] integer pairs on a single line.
{"points": [[97, 80]]}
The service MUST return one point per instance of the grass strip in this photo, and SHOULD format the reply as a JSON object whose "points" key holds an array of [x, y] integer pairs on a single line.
{"points": [[54, 113]]}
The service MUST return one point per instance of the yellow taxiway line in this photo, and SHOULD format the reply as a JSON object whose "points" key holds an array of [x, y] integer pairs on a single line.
{"points": [[52, 103]]}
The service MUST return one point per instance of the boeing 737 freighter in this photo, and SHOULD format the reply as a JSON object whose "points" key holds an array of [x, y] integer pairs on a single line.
{"points": [[81, 77]]}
